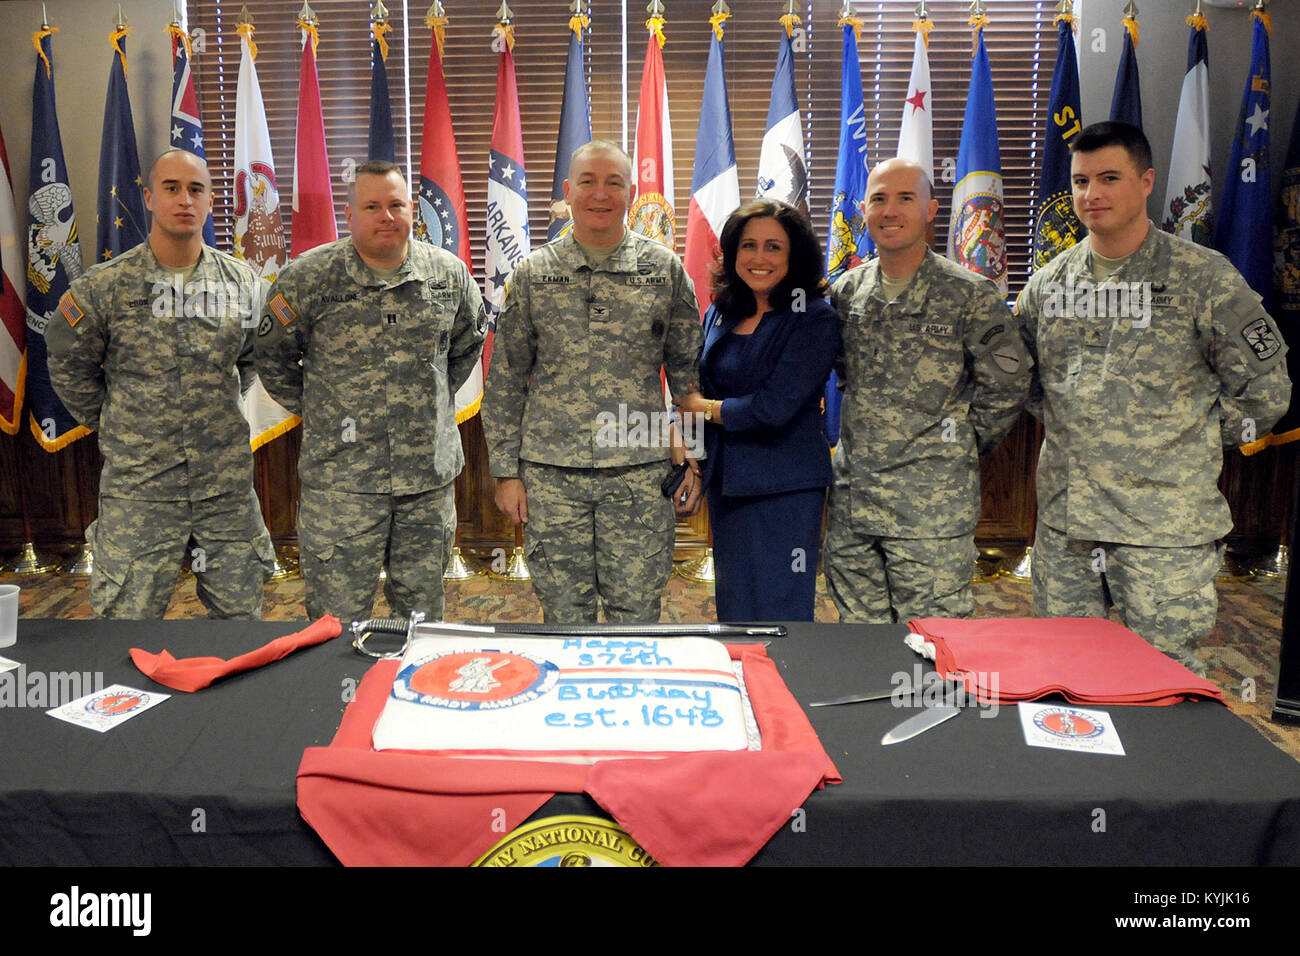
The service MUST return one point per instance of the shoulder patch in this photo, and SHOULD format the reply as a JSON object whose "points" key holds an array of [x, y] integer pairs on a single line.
{"points": [[71, 311], [1259, 335], [282, 311]]}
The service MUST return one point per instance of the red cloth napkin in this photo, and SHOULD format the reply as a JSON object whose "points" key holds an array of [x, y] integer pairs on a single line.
{"points": [[400, 808], [194, 673], [1089, 660]]}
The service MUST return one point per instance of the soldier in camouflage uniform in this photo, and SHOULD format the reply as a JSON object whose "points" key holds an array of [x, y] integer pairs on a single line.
{"points": [[934, 374], [587, 322], [1153, 355], [368, 339], [153, 349]]}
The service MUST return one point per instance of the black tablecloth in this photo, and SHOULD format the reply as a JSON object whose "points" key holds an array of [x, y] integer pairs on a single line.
{"points": [[209, 778]]}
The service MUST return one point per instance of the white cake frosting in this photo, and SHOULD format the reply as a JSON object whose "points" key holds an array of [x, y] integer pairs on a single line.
{"points": [[564, 698]]}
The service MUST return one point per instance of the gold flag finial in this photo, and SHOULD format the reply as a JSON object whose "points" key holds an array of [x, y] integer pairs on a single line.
{"points": [[579, 21], [978, 21], [309, 24], [789, 18], [922, 24], [245, 18], [1064, 12], [849, 19], [379, 12], [244, 27], [920, 11], [721, 14], [504, 28], [307, 15], [504, 15], [120, 31], [655, 24], [436, 20], [1130, 21]]}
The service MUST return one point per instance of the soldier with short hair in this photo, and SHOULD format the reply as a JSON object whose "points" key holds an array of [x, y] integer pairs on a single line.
{"points": [[573, 405], [368, 339], [1153, 356], [934, 375], [153, 350]]}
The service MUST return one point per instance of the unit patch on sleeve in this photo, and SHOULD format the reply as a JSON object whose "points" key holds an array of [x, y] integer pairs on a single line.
{"points": [[1259, 335]]}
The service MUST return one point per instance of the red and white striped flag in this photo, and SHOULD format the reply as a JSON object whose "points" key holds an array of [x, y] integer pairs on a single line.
{"points": [[13, 314], [652, 211]]}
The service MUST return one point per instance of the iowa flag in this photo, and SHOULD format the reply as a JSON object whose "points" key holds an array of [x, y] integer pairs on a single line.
{"points": [[782, 170]]}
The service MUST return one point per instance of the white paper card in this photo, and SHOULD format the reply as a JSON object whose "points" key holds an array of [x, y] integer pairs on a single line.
{"points": [[1063, 727], [105, 709], [7, 665]]}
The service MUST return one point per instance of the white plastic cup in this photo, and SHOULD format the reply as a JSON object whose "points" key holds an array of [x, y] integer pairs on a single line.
{"points": [[8, 614]]}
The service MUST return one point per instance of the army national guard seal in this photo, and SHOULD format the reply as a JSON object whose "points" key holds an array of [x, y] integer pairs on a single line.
{"points": [[567, 841]]}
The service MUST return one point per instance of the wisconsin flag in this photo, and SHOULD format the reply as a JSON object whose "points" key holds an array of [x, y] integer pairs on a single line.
{"points": [[715, 185], [441, 205], [313, 198], [575, 125], [782, 170], [53, 254], [916, 133], [1187, 211], [13, 363], [977, 236], [1245, 229], [187, 128], [848, 243], [1056, 226], [120, 221], [507, 191], [258, 232], [652, 212]]}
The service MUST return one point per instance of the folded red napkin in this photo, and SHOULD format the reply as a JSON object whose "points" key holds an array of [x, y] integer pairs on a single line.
{"points": [[403, 808], [1089, 660], [194, 673]]}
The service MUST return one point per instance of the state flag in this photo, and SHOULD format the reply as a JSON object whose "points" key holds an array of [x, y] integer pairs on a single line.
{"points": [[977, 237], [314, 222], [13, 314], [1188, 210], [782, 167], [916, 132], [120, 221], [575, 127], [653, 213], [187, 127], [1056, 225]]}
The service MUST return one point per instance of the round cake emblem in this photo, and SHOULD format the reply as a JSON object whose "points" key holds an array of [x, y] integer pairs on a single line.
{"points": [[567, 841], [475, 680]]}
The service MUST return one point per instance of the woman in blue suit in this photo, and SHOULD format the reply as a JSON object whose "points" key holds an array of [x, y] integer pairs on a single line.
{"points": [[770, 341]]}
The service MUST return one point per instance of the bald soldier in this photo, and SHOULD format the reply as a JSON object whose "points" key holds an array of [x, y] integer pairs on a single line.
{"points": [[153, 349], [588, 321], [934, 374], [368, 339], [1153, 356]]}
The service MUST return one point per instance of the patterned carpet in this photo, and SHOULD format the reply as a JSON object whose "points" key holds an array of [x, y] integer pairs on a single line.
{"points": [[1241, 654]]}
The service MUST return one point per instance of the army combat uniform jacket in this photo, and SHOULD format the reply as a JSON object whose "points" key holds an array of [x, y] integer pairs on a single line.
{"points": [[931, 380], [157, 367], [380, 365], [1139, 401], [577, 346]]}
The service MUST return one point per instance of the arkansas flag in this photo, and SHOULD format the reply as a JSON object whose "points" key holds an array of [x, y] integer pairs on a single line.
{"points": [[782, 172], [258, 232], [916, 134], [313, 199], [507, 191], [441, 206], [13, 364], [652, 211], [715, 186]]}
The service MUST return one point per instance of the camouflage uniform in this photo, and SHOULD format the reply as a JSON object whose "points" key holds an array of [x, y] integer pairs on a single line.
{"points": [[1137, 411], [380, 365], [579, 347], [159, 375], [931, 381]]}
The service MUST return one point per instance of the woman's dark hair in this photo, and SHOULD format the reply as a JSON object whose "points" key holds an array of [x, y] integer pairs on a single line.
{"points": [[807, 268]]}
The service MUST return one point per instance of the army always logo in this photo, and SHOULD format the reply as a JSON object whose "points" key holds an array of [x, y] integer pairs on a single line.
{"points": [[475, 680], [1067, 723], [114, 703], [567, 841]]}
